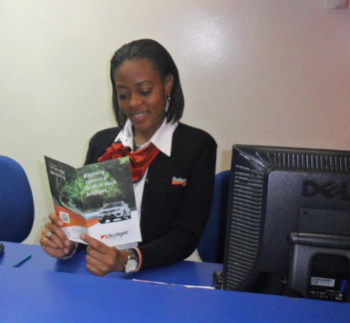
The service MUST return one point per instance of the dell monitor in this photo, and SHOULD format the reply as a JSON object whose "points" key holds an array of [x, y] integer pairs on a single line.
{"points": [[288, 222]]}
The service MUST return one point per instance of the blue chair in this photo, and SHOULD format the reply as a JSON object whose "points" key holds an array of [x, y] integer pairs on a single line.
{"points": [[16, 202], [212, 243]]}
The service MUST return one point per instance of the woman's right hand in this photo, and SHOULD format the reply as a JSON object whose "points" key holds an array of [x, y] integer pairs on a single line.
{"points": [[57, 245]]}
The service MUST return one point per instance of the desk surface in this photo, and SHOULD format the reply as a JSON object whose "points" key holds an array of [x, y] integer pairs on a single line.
{"points": [[43, 293], [59, 297], [183, 273]]}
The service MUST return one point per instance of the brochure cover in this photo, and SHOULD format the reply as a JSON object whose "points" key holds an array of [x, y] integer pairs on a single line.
{"points": [[96, 199]]}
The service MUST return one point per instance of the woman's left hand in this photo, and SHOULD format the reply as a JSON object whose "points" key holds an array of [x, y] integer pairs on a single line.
{"points": [[101, 259]]}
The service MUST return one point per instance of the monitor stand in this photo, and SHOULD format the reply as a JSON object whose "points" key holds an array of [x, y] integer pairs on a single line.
{"points": [[305, 247]]}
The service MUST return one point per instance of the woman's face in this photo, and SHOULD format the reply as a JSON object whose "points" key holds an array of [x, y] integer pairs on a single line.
{"points": [[142, 95]]}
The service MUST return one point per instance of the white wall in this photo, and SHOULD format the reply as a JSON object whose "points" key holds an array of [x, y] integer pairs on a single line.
{"points": [[272, 72]]}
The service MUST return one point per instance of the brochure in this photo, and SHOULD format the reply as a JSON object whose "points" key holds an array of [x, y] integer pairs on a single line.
{"points": [[96, 199]]}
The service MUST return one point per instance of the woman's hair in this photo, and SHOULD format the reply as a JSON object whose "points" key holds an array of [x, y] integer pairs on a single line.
{"points": [[162, 63]]}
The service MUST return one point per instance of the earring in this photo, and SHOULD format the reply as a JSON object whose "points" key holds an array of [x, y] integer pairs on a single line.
{"points": [[167, 103]]}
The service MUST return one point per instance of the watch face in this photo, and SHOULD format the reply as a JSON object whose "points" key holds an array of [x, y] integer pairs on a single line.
{"points": [[131, 265]]}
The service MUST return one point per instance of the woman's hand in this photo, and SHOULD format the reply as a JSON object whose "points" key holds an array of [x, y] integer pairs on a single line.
{"points": [[57, 245], [101, 259]]}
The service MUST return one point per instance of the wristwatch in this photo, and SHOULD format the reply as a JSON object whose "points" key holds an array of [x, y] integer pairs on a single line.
{"points": [[132, 261]]}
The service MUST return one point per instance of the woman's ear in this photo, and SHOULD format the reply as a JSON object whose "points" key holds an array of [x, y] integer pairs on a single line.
{"points": [[169, 82]]}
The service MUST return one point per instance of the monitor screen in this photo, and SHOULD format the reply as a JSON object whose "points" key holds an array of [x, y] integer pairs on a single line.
{"points": [[276, 192]]}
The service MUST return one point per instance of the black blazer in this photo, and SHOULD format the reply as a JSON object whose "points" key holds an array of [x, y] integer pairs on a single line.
{"points": [[173, 217]]}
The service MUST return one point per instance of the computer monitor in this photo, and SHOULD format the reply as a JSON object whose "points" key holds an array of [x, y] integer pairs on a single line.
{"points": [[277, 198]]}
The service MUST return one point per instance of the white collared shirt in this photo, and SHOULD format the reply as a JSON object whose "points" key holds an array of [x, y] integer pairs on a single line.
{"points": [[162, 139]]}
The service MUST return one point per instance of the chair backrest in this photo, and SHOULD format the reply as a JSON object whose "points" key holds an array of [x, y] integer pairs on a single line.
{"points": [[16, 202], [212, 243]]}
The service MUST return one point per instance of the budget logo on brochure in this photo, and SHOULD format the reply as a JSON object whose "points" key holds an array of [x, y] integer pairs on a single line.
{"points": [[97, 200]]}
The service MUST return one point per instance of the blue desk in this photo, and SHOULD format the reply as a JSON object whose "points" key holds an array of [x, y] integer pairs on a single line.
{"points": [[44, 294], [183, 273]]}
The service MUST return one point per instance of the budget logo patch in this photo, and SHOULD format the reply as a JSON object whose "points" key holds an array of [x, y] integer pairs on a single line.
{"points": [[104, 236], [179, 181]]}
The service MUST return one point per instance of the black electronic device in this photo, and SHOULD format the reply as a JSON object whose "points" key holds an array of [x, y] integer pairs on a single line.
{"points": [[288, 222], [2, 248], [217, 278]]}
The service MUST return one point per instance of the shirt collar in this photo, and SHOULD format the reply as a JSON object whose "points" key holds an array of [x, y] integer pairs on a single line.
{"points": [[162, 138]]}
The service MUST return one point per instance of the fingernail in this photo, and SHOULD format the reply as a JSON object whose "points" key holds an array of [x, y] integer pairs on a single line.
{"points": [[82, 236]]}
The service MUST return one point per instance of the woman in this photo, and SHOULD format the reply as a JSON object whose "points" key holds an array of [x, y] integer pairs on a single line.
{"points": [[174, 190]]}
